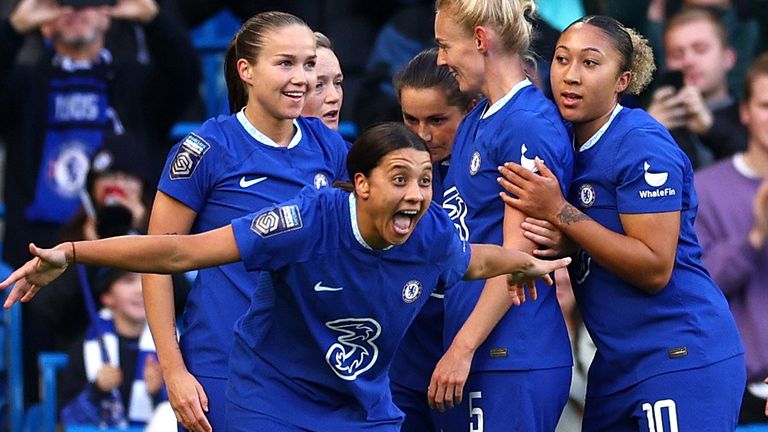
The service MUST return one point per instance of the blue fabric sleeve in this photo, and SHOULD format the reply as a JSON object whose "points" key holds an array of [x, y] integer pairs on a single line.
{"points": [[277, 235], [190, 170], [649, 173]]}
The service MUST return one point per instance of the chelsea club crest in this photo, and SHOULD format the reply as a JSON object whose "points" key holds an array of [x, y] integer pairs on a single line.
{"points": [[411, 291], [320, 180], [586, 195], [474, 163]]}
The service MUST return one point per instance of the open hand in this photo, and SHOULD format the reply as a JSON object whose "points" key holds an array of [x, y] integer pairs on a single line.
{"points": [[46, 266]]}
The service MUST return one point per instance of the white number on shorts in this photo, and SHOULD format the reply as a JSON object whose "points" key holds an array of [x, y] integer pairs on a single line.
{"points": [[653, 413], [475, 413]]}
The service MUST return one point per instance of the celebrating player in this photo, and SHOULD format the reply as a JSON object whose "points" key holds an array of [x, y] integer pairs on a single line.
{"points": [[350, 271]]}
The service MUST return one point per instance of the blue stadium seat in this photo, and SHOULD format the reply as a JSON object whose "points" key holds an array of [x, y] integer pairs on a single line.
{"points": [[11, 369]]}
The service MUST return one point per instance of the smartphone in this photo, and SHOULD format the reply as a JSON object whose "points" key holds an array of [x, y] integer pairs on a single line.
{"points": [[77, 4], [673, 78]]}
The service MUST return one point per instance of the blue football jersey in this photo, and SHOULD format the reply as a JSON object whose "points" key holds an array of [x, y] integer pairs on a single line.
{"points": [[525, 127], [226, 170], [633, 166], [341, 310]]}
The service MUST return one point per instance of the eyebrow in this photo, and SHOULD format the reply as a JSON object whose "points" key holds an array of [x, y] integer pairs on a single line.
{"points": [[293, 56], [590, 49]]}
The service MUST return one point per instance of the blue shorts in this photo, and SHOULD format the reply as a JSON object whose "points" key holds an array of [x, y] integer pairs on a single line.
{"points": [[702, 399], [519, 401], [419, 417], [215, 389], [245, 420]]}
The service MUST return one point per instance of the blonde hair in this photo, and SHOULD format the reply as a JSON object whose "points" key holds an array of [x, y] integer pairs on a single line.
{"points": [[642, 65], [511, 19], [322, 41]]}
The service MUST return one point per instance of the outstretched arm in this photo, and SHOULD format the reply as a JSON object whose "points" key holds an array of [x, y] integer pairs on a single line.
{"points": [[447, 383], [141, 254], [491, 260]]}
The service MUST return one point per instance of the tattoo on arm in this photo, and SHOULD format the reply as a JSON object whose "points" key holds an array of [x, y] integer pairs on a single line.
{"points": [[569, 215]]}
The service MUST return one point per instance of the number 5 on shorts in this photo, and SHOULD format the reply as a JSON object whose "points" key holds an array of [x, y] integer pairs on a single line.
{"points": [[475, 413]]}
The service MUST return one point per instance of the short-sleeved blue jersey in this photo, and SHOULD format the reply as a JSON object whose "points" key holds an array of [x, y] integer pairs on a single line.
{"points": [[635, 167], [525, 127], [226, 170], [341, 309]]}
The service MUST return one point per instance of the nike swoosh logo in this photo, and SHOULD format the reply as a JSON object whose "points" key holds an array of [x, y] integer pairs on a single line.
{"points": [[320, 287], [248, 183]]}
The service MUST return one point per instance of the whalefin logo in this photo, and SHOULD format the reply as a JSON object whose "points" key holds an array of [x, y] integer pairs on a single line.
{"points": [[354, 351], [654, 179], [529, 164]]}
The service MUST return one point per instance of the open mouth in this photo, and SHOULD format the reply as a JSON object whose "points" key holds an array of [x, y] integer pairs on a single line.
{"points": [[331, 115], [570, 98], [404, 221]]}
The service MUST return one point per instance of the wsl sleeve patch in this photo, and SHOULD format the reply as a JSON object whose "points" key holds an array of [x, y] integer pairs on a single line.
{"points": [[277, 221], [188, 156]]}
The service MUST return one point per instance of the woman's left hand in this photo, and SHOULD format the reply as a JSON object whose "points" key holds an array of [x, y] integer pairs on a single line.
{"points": [[535, 194], [447, 384]]}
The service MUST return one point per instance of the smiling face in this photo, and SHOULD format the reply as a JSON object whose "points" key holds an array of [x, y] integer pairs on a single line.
{"points": [[125, 300], [427, 113], [281, 75], [586, 77], [393, 198], [325, 99], [458, 51]]}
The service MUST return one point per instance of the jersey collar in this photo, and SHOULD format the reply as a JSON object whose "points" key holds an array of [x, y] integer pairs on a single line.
{"points": [[260, 137], [593, 140], [499, 104], [742, 168], [355, 226]]}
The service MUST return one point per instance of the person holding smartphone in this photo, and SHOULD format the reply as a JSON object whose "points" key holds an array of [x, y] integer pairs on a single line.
{"points": [[698, 110]]}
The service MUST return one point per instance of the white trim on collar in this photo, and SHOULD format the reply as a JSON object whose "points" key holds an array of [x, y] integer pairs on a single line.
{"points": [[596, 137], [355, 226], [742, 168], [260, 137], [499, 104]]}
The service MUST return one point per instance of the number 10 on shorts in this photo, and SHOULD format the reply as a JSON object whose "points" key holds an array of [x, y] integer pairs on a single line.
{"points": [[655, 415]]}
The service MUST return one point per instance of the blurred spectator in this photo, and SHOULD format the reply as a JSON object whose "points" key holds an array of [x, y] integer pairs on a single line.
{"points": [[58, 106], [733, 228], [702, 114], [118, 203], [737, 15], [409, 31], [113, 378], [324, 101]]}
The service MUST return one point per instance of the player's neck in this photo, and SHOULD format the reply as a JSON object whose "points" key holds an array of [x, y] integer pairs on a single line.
{"points": [[278, 130], [502, 73]]}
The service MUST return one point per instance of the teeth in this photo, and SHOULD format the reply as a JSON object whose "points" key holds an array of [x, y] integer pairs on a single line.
{"points": [[410, 212], [295, 94]]}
